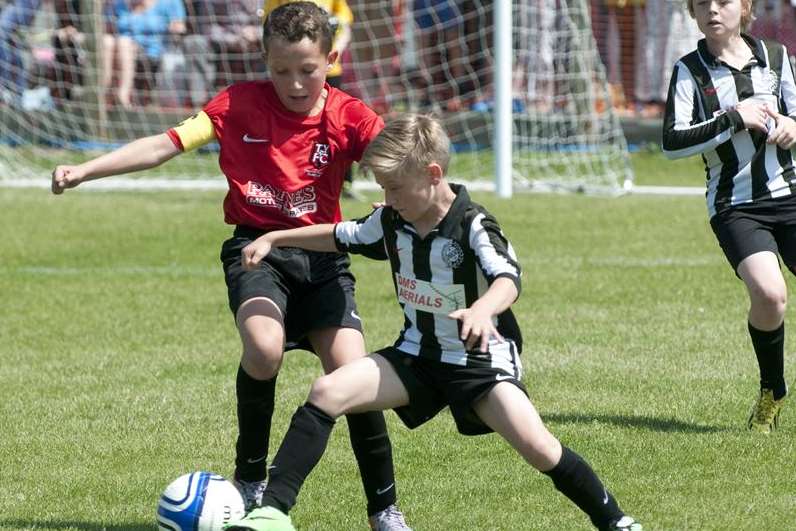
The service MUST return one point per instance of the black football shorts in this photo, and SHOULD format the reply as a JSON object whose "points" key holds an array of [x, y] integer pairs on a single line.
{"points": [[313, 290], [432, 385], [769, 225]]}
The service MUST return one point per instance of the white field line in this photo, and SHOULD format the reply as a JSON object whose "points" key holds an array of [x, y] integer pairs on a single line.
{"points": [[627, 261], [134, 270], [573, 262], [126, 184]]}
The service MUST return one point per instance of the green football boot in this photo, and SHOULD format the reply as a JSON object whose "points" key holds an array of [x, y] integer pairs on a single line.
{"points": [[764, 416], [262, 519]]}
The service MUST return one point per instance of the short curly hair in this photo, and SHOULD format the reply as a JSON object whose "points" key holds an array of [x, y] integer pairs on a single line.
{"points": [[296, 20]]}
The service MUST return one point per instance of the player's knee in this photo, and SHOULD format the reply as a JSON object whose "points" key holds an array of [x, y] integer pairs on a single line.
{"points": [[260, 369], [262, 358], [327, 395], [773, 299], [543, 451]]}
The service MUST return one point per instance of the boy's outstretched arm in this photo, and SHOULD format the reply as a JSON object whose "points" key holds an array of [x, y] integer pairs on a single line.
{"points": [[313, 238], [140, 154], [476, 320]]}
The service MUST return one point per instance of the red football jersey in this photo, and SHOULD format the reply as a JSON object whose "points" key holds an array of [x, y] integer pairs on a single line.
{"points": [[286, 170]]}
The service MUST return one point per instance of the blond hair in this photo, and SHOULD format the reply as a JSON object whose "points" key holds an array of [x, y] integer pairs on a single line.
{"points": [[747, 13], [406, 146]]}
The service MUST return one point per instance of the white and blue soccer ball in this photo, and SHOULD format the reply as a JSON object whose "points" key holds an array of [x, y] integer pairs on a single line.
{"points": [[199, 501]]}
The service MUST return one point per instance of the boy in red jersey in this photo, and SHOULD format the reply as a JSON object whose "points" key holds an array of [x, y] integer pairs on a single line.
{"points": [[285, 147]]}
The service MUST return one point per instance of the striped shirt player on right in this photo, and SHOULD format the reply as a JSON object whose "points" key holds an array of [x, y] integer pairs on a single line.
{"points": [[733, 100], [455, 277]]}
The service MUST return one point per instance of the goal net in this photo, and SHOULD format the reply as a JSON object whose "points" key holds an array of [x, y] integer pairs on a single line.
{"points": [[66, 96]]}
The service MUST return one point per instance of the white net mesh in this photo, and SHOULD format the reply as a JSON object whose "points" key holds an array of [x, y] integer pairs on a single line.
{"points": [[68, 92]]}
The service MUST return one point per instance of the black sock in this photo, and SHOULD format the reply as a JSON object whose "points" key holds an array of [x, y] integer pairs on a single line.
{"points": [[574, 478], [301, 449], [255, 408], [770, 351], [373, 451]]}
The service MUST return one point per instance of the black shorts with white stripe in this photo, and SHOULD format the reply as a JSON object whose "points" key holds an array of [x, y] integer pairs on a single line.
{"points": [[432, 385]]}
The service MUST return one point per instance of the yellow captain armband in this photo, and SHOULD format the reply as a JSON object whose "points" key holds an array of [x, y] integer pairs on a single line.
{"points": [[195, 131]]}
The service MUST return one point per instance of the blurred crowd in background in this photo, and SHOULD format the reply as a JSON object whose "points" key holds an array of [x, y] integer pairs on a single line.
{"points": [[639, 42], [395, 54]]}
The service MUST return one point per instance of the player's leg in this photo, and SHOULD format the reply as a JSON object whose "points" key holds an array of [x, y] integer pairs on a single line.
{"points": [[367, 383], [748, 241], [768, 297], [257, 300], [262, 336], [769, 339], [507, 410], [768, 294], [363, 384], [367, 429]]}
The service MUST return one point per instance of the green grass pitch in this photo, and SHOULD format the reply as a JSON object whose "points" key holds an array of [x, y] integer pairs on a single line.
{"points": [[118, 355]]}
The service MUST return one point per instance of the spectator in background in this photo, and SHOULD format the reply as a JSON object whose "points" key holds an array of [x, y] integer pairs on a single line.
{"points": [[376, 66], [535, 43], [15, 17], [665, 33], [623, 17], [223, 45], [441, 51], [651, 39], [67, 42], [683, 33], [535, 56], [776, 20], [143, 31]]}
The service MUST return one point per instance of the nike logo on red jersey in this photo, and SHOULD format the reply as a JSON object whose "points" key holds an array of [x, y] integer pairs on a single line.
{"points": [[250, 140]]}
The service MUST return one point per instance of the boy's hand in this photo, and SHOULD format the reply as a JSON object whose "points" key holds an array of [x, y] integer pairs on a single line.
{"points": [[254, 252], [64, 177], [784, 133], [476, 326], [754, 114]]}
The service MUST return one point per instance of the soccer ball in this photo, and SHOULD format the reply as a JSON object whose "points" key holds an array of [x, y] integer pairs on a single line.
{"points": [[199, 501]]}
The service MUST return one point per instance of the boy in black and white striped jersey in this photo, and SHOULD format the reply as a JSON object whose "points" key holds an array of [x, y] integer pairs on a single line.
{"points": [[733, 100], [455, 277]]}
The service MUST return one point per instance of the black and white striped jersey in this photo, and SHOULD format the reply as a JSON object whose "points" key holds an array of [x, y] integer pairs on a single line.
{"points": [[447, 270], [701, 118]]}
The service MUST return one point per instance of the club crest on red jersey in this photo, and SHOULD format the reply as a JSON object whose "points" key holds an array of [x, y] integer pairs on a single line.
{"points": [[320, 156]]}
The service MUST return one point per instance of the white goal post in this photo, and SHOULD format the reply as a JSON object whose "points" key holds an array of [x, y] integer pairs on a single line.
{"points": [[519, 85]]}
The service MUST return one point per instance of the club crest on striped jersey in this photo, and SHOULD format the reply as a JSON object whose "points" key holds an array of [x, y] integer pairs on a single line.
{"points": [[772, 79], [452, 254], [321, 155]]}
